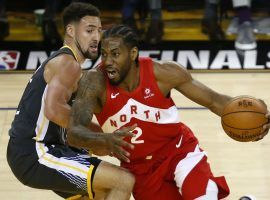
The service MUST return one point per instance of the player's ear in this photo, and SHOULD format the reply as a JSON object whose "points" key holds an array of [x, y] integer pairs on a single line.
{"points": [[134, 53], [70, 30]]}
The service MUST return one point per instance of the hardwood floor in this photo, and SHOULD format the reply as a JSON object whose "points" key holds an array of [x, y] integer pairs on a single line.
{"points": [[245, 165]]}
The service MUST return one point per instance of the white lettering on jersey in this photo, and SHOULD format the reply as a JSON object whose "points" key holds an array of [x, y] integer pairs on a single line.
{"points": [[137, 110], [135, 139]]}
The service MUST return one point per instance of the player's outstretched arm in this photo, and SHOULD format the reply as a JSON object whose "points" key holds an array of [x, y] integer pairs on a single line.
{"points": [[173, 75], [87, 102]]}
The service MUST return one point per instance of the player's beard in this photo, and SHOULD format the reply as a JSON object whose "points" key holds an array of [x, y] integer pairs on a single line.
{"points": [[86, 53]]}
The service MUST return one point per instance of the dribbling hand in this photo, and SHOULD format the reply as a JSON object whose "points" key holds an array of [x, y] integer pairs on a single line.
{"points": [[265, 128], [117, 144]]}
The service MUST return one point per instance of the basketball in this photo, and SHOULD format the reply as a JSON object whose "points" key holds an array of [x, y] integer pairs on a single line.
{"points": [[243, 118]]}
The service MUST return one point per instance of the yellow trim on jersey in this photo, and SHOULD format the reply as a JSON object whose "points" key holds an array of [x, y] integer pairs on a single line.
{"points": [[41, 128], [72, 51], [89, 173], [42, 149], [89, 184], [65, 165], [74, 197]]}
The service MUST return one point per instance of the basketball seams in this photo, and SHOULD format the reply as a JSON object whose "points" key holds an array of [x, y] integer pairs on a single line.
{"points": [[249, 111], [244, 129], [222, 121]]}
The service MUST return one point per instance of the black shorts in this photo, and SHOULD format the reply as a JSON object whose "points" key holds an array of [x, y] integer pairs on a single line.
{"points": [[60, 168]]}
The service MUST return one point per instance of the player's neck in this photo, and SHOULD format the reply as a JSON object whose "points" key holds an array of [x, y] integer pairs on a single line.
{"points": [[132, 80], [80, 59]]}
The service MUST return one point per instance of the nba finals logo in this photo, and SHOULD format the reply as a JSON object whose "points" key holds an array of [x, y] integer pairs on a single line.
{"points": [[9, 60]]}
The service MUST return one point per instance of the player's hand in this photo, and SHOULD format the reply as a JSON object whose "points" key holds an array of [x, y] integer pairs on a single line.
{"points": [[266, 126], [117, 144], [265, 129]]}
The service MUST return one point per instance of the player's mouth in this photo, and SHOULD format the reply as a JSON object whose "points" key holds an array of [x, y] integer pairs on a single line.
{"points": [[111, 73], [93, 48]]}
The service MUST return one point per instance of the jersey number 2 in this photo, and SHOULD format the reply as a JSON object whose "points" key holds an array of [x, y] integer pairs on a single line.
{"points": [[135, 139]]}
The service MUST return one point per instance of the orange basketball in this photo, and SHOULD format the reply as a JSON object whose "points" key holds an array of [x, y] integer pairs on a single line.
{"points": [[243, 118]]}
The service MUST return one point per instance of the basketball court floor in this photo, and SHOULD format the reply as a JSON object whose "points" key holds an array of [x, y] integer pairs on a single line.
{"points": [[245, 165]]}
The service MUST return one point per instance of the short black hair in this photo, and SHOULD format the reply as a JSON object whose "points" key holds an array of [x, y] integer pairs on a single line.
{"points": [[77, 10], [128, 35]]}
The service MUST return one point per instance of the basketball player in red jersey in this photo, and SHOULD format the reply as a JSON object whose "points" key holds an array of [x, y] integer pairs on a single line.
{"points": [[125, 91]]}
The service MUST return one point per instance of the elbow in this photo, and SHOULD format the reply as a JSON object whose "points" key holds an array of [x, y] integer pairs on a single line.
{"points": [[49, 113], [71, 137]]}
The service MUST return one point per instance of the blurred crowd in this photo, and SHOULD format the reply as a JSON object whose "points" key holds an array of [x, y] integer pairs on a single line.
{"points": [[243, 24]]}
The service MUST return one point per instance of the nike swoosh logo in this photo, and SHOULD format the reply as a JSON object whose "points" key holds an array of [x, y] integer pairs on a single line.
{"points": [[113, 96], [179, 143]]}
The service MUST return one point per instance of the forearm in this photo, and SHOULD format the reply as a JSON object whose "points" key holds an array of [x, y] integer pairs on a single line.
{"points": [[81, 136], [59, 114], [218, 104], [63, 115]]}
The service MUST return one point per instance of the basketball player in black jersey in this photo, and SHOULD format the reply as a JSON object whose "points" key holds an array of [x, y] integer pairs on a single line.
{"points": [[37, 151]]}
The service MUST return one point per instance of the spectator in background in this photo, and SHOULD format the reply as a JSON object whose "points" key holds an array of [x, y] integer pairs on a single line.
{"points": [[245, 39], [49, 28], [155, 30], [4, 26], [210, 23], [128, 11], [246, 27]]}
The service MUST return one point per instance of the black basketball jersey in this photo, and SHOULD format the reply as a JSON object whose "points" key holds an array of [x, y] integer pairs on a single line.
{"points": [[30, 121]]}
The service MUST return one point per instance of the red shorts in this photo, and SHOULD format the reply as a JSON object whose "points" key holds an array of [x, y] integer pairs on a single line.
{"points": [[158, 180]]}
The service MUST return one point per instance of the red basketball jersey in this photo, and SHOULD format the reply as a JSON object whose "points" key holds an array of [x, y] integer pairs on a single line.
{"points": [[161, 141], [156, 115]]}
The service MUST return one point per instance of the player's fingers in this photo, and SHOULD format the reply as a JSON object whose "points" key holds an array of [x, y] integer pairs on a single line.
{"points": [[258, 138], [122, 154], [267, 115], [264, 133], [125, 134], [128, 128], [266, 126], [123, 143]]}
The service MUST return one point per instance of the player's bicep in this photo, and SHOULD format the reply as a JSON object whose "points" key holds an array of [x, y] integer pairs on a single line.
{"points": [[64, 81], [57, 90], [181, 80]]}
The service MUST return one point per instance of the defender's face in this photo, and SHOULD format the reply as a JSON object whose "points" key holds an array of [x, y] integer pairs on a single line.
{"points": [[116, 60], [87, 36]]}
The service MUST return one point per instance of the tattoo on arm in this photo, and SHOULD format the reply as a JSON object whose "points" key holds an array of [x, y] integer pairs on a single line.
{"points": [[90, 89]]}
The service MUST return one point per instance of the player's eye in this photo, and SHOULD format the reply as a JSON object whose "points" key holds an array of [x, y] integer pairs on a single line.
{"points": [[90, 30], [116, 54]]}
